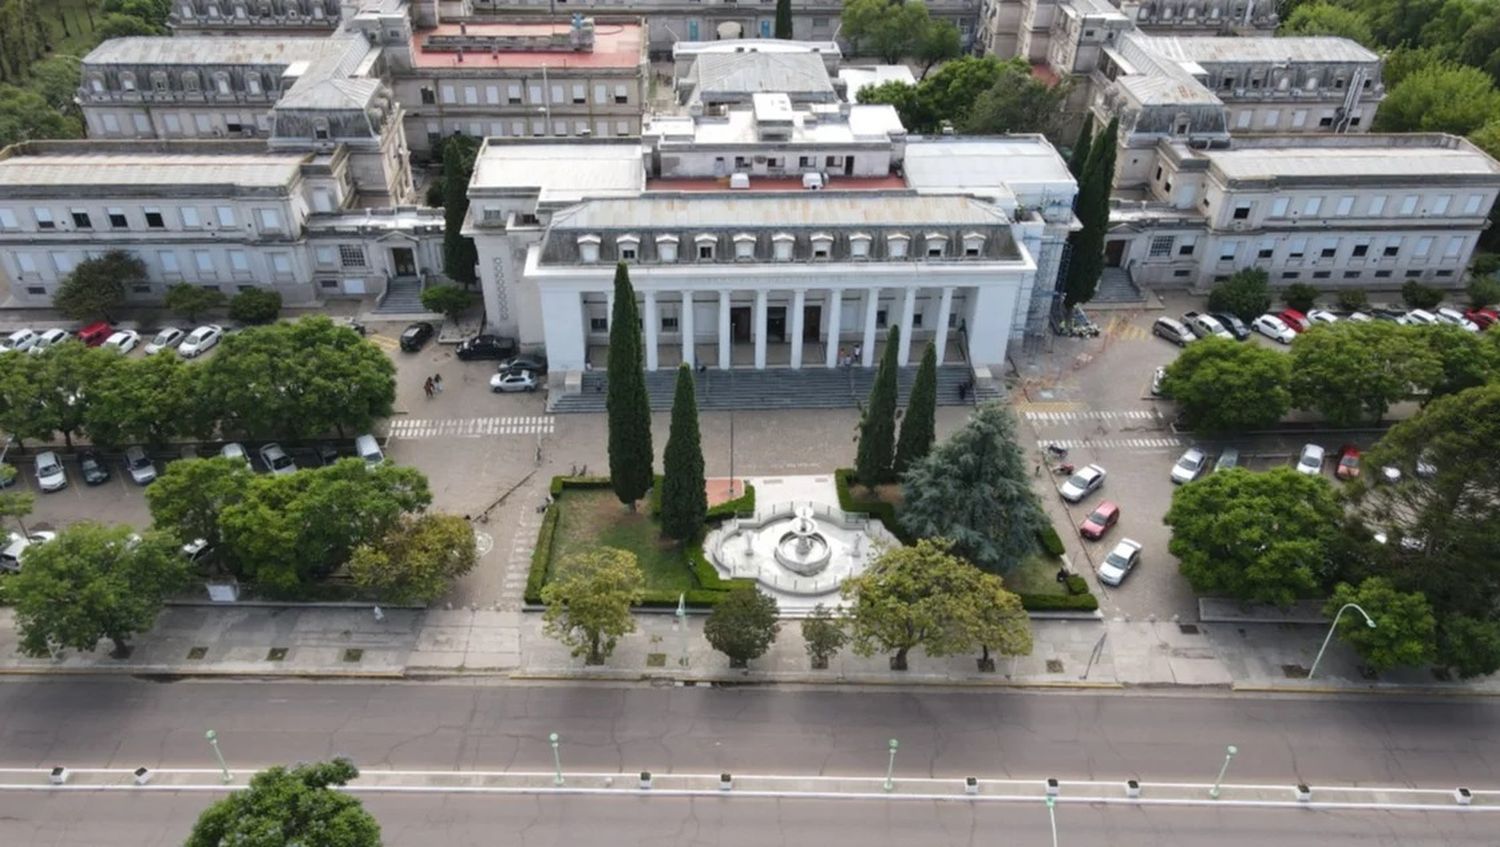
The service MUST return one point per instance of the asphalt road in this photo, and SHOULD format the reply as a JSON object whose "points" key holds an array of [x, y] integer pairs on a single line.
{"points": [[163, 819], [127, 723]]}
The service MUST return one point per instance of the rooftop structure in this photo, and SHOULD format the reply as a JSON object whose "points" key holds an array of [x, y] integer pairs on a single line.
{"points": [[556, 45], [857, 79], [716, 79]]}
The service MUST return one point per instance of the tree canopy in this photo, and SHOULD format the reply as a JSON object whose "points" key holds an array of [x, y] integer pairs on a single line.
{"points": [[460, 256], [96, 287], [1405, 631], [284, 807], [977, 96], [1222, 386], [1440, 98], [877, 427], [417, 560], [190, 300], [631, 457], [743, 625], [589, 598], [450, 301], [892, 30], [1246, 294], [1353, 371], [189, 497], [684, 494], [1328, 19]]}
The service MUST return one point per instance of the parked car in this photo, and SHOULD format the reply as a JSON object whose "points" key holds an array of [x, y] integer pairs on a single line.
{"points": [[1082, 483], [327, 454], [139, 466], [1205, 325], [1321, 316], [1294, 319], [165, 339], [416, 336], [1157, 378], [1273, 328], [1347, 465], [1454, 317], [1483, 318], [197, 550], [1120, 562], [1358, 317], [1229, 459], [1099, 521], [1425, 468], [96, 333], [14, 551], [276, 459], [200, 341], [535, 364], [1233, 323], [122, 342], [512, 381], [21, 340], [91, 465], [1310, 461], [50, 475], [1189, 466], [351, 323], [1174, 331], [1418, 317], [236, 452], [367, 448], [485, 347], [47, 339]]}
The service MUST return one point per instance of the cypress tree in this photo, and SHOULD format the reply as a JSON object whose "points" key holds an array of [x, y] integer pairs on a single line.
{"points": [[1086, 262], [783, 18], [919, 425], [877, 432], [459, 254], [684, 503], [631, 458], [1080, 154]]}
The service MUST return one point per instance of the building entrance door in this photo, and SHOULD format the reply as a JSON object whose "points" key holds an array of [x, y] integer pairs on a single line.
{"points": [[776, 324], [812, 322], [1114, 253], [739, 322], [404, 261]]}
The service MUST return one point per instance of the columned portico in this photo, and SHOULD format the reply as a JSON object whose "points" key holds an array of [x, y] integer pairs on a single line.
{"points": [[724, 337], [872, 305], [653, 360], [685, 325], [799, 305], [908, 317], [940, 331], [835, 308], [760, 329]]}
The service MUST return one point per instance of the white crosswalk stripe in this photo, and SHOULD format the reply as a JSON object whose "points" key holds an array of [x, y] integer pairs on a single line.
{"points": [[1090, 415], [1117, 443], [472, 427]]}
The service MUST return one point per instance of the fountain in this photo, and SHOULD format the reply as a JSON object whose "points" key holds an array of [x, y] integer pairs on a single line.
{"points": [[803, 550]]}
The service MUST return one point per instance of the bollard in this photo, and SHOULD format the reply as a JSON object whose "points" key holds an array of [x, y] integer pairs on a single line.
{"points": [[142, 776], [726, 782], [1304, 793], [1052, 787], [59, 776], [1132, 789], [971, 785], [645, 779], [1464, 796]]}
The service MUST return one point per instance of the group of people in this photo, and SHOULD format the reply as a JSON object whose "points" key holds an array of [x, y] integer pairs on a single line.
{"points": [[847, 359], [433, 386]]}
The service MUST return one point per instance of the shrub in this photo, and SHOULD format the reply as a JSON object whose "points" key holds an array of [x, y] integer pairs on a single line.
{"points": [[1077, 584], [1051, 541], [1419, 296], [1353, 299], [1300, 296], [255, 306], [1059, 602], [1245, 294], [1484, 291]]}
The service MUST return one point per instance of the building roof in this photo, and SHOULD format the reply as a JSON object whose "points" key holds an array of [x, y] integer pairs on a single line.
{"points": [[874, 122], [719, 76], [109, 170], [1339, 161], [754, 45], [1166, 90], [616, 45], [1258, 50], [948, 164], [560, 171], [792, 209], [856, 79], [212, 51]]}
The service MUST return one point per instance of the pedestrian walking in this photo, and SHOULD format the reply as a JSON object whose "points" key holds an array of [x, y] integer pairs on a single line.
{"points": [[437, 383], [858, 348], [427, 388], [843, 355]]}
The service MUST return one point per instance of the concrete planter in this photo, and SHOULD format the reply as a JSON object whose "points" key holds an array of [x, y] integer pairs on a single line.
{"points": [[1464, 796], [59, 776], [971, 785], [1052, 787], [142, 776], [726, 782], [1304, 793], [645, 779], [1132, 789]]}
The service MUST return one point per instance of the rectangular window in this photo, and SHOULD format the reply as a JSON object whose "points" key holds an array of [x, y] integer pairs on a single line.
{"points": [[26, 263], [281, 263], [168, 261], [351, 256], [492, 95], [880, 318], [1351, 274], [1296, 248], [513, 93], [8, 220], [142, 124], [627, 254], [1382, 274], [1325, 121], [190, 217], [326, 257], [81, 219], [172, 124], [622, 94], [1278, 207], [1424, 247], [601, 94], [557, 93], [534, 92], [1227, 251], [225, 214], [1360, 250], [1185, 249], [1392, 250], [111, 124], [471, 95], [1346, 205], [1312, 205], [429, 97], [1409, 204], [1273, 117], [598, 325], [270, 219], [1161, 245], [1328, 252], [1243, 119], [450, 94], [1290, 274], [1299, 118], [63, 262], [580, 93], [44, 219], [1413, 274], [1322, 274], [622, 128], [1242, 212], [117, 218], [669, 323], [1473, 204], [1440, 205], [154, 220], [1377, 205], [204, 261], [1267, 248], [1455, 246], [1443, 273], [238, 261], [705, 251]]}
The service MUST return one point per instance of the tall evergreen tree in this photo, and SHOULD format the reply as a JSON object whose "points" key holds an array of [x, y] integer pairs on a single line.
{"points": [[459, 254], [1080, 155], [684, 503], [630, 454], [1086, 260], [783, 18], [877, 432], [919, 424]]}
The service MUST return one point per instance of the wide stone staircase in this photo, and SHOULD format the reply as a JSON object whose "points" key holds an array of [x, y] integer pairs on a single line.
{"points": [[774, 388], [403, 297], [1116, 287]]}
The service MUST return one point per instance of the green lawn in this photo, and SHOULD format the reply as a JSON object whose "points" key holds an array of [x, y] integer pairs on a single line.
{"points": [[592, 518], [1036, 575]]}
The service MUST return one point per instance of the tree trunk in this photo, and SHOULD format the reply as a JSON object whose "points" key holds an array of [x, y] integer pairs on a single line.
{"points": [[68, 439], [820, 663], [986, 664], [595, 657], [898, 660], [736, 663], [122, 650]]}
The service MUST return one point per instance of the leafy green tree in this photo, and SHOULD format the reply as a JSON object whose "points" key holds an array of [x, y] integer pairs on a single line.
{"points": [[1253, 536], [1487, 138], [1441, 98], [1079, 156], [255, 306], [1405, 631], [1465, 360], [684, 497], [1086, 246], [146, 401], [1328, 19], [418, 560], [1469, 646], [449, 301], [916, 112], [948, 95], [1353, 299], [918, 596], [57, 79], [975, 490], [997, 621], [939, 42], [284, 807], [743, 626], [123, 26], [68, 375], [22, 386], [459, 254], [1221, 386], [1484, 291], [589, 598], [1018, 102], [1419, 296], [188, 498], [96, 287], [886, 28], [1300, 296], [1353, 371], [94, 582], [918, 426], [631, 457], [1405, 60], [877, 429], [190, 300], [784, 19], [14, 504], [1246, 294], [26, 116], [823, 636]]}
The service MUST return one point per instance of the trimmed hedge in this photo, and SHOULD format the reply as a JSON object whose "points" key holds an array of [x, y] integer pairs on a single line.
{"points": [[728, 509], [1051, 541], [878, 509], [1059, 603], [1077, 584]]}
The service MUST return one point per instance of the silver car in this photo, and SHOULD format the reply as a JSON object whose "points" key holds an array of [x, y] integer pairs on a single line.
{"points": [[1189, 466], [1120, 562], [50, 475], [277, 461], [1310, 461], [140, 467], [1086, 481]]}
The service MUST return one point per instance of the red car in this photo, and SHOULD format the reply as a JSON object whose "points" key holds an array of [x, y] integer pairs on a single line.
{"points": [[1483, 317], [1104, 516], [1294, 319], [1348, 463], [96, 333]]}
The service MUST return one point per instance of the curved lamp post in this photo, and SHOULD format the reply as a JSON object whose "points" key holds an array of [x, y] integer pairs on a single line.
{"points": [[1346, 607]]}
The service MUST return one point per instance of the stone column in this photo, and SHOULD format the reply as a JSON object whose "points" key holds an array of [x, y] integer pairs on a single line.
{"points": [[908, 317], [650, 319], [760, 329], [835, 306], [872, 304], [940, 339], [726, 334], [685, 325], [799, 303]]}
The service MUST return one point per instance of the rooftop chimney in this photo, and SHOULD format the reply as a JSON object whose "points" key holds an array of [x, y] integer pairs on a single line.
{"points": [[460, 54]]}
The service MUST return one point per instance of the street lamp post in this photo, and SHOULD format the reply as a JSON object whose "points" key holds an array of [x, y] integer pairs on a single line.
{"points": [[213, 741], [1052, 815], [890, 767], [1335, 625], [557, 777], [1228, 755]]}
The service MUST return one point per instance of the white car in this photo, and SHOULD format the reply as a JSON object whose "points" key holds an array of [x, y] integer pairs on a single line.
{"points": [[49, 338], [1418, 317], [1273, 328], [513, 381], [1120, 562], [200, 341], [1449, 315], [50, 475], [1322, 316], [1189, 466], [1358, 317], [1310, 461], [165, 339], [1081, 484], [140, 467], [1205, 325], [20, 340], [15, 548], [236, 451], [122, 342], [277, 461]]}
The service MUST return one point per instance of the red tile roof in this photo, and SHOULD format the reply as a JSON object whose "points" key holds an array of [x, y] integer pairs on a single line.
{"points": [[615, 46]]}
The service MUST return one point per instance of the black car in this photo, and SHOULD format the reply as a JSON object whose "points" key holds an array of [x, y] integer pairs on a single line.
{"points": [[416, 336], [533, 363], [95, 471], [486, 347], [1233, 323]]}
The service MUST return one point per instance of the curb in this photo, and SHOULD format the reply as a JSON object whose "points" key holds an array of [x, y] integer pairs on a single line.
{"points": [[201, 672], [544, 676], [1382, 690]]}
